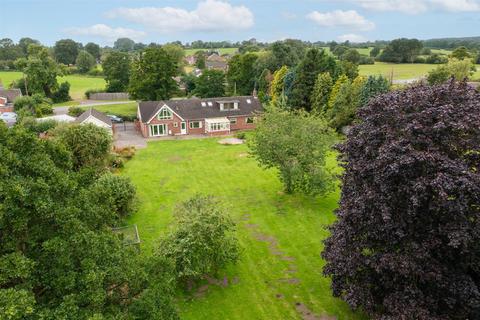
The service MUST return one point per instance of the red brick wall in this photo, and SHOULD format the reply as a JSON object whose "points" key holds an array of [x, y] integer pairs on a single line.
{"points": [[6, 109], [241, 124], [172, 130], [196, 130]]}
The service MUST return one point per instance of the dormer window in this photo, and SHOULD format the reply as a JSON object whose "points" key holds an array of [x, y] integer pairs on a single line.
{"points": [[165, 114], [210, 103], [204, 104], [249, 101], [227, 106]]}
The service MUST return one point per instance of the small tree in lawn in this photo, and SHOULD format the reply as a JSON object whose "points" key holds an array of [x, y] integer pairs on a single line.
{"points": [[201, 241], [297, 144], [407, 241]]}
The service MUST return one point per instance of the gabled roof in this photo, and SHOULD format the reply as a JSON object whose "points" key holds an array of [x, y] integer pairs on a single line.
{"points": [[10, 94], [96, 114], [192, 109], [213, 64]]}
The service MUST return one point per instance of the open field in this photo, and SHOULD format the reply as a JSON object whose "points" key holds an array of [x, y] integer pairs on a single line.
{"points": [[220, 50], [404, 70], [78, 84], [121, 109], [268, 283]]}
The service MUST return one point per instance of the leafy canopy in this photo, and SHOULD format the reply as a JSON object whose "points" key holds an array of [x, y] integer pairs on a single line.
{"points": [[407, 241]]}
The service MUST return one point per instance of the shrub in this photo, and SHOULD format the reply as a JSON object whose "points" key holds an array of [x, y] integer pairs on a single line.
{"points": [[116, 192], [90, 91], [75, 111], [406, 242], [419, 59], [62, 94], [366, 60], [436, 59], [96, 72], [201, 240], [241, 135], [32, 125], [35, 105]]}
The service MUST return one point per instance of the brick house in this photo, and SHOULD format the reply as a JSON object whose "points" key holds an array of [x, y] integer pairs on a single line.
{"points": [[212, 116], [7, 96]]}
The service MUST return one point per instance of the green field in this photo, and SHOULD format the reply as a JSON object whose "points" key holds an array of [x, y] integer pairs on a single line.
{"points": [[220, 50], [167, 172], [121, 109], [78, 84], [403, 71]]}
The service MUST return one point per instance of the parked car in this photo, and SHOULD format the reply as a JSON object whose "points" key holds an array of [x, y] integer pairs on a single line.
{"points": [[114, 118]]}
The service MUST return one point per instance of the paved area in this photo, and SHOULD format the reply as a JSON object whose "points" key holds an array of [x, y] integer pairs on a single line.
{"points": [[126, 135]]}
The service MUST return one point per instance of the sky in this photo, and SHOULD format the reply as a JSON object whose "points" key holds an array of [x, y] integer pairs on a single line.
{"points": [[161, 21]]}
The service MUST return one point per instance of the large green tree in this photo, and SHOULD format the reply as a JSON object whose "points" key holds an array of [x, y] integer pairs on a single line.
{"points": [[93, 49], [177, 53], [210, 84], [297, 144], [84, 62], [401, 50], [116, 69], [241, 74], [40, 70], [66, 51], [315, 62], [152, 75], [59, 258], [124, 44]]}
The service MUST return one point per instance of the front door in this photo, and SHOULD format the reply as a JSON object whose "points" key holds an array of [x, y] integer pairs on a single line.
{"points": [[183, 128]]}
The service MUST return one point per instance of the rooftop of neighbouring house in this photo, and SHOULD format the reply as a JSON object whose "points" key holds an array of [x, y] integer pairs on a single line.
{"points": [[10, 94], [96, 114], [194, 108]]}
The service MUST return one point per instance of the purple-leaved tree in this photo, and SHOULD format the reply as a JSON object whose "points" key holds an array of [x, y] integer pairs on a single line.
{"points": [[406, 244]]}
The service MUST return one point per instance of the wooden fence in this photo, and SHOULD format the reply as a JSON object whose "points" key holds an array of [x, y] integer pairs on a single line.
{"points": [[110, 96]]}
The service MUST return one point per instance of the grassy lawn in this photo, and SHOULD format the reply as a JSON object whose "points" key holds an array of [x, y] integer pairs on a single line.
{"points": [[168, 172], [400, 71], [78, 84], [121, 109], [220, 50]]}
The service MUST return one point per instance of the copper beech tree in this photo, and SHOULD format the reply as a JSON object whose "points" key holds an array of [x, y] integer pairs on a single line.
{"points": [[407, 241]]}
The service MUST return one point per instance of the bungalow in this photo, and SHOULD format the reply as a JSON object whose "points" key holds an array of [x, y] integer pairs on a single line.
{"points": [[97, 118], [212, 116]]}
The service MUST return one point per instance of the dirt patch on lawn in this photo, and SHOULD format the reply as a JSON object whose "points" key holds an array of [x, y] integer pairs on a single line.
{"points": [[176, 159], [243, 155], [307, 314]]}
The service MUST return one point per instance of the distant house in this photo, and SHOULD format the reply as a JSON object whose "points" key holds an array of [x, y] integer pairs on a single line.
{"points": [[190, 60], [97, 118], [216, 65], [7, 97], [213, 116]]}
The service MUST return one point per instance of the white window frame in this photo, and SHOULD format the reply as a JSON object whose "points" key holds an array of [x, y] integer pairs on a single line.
{"points": [[218, 126], [233, 120], [165, 114], [152, 130], [190, 124]]}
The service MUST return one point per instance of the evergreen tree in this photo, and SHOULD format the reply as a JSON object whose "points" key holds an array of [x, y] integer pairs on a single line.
{"points": [[277, 86], [374, 85], [321, 92], [315, 62]]}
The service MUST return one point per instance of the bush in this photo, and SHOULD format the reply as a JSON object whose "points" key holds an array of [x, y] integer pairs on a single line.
{"points": [[116, 192], [37, 127], [62, 93], [436, 59], [127, 152], [7, 65], [75, 111], [35, 105], [96, 72], [241, 135], [419, 59], [90, 91], [201, 240], [438, 76], [366, 60], [406, 244]]}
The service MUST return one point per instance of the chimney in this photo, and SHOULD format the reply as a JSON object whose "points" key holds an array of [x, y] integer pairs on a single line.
{"points": [[254, 93]]}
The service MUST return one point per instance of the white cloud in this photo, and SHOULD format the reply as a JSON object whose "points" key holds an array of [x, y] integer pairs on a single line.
{"points": [[338, 18], [355, 38], [106, 32], [419, 6], [209, 15]]}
